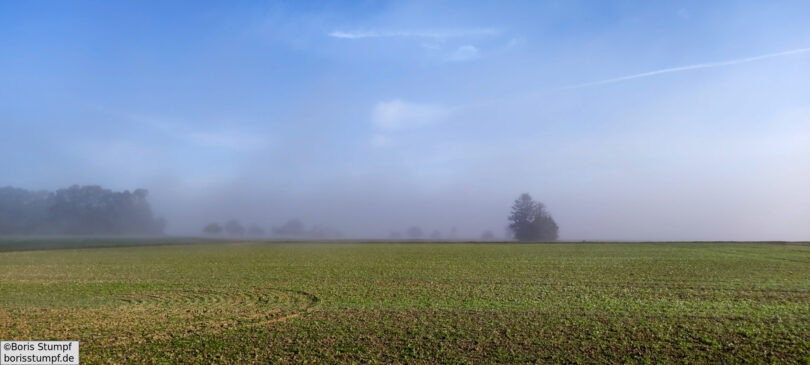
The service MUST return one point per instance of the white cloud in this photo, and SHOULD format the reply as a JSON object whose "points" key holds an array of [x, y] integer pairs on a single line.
{"points": [[465, 53], [472, 32], [397, 115]]}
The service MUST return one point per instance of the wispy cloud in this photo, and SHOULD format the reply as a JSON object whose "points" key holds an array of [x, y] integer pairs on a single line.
{"points": [[231, 140], [690, 67], [397, 115], [456, 33], [381, 141], [465, 53], [228, 139], [432, 46]]}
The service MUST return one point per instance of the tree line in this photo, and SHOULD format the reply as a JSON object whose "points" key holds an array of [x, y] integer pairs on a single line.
{"points": [[93, 210], [293, 229], [529, 221], [77, 210]]}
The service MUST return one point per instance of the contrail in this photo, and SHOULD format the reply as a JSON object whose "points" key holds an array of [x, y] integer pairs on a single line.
{"points": [[630, 77], [689, 67]]}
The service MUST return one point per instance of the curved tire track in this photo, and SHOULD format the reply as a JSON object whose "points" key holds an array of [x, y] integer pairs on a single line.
{"points": [[207, 308]]}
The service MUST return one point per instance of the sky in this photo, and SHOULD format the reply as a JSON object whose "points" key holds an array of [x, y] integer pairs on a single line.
{"points": [[629, 120]]}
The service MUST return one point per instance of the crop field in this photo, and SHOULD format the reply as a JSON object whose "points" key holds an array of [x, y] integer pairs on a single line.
{"points": [[245, 302]]}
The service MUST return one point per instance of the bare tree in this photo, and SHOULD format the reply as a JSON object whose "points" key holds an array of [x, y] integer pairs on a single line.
{"points": [[234, 228], [212, 229], [292, 228], [255, 231]]}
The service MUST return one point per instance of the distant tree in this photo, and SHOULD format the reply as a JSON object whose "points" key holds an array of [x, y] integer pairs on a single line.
{"points": [[234, 228], [415, 233], [255, 231], [81, 210], [24, 212], [436, 235], [212, 229], [487, 236], [529, 221], [324, 232], [293, 228]]}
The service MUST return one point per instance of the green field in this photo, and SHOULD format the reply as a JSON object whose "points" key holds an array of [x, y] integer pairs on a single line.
{"points": [[414, 303]]}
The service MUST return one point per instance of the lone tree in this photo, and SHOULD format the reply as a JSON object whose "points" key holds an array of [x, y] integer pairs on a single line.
{"points": [[530, 221], [212, 229]]}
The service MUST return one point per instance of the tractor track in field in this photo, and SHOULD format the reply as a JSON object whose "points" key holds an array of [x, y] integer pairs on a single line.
{"points": [[223, 309]]}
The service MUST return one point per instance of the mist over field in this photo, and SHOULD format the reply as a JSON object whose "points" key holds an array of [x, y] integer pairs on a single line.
{"points": [[405, 182], [685, 120]]}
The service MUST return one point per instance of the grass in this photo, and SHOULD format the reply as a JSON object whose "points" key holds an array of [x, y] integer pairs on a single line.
{"points": [[29, 243], [415, 303]]}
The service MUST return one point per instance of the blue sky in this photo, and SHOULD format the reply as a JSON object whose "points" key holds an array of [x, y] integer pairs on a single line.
{"points": [[374, 116]]}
